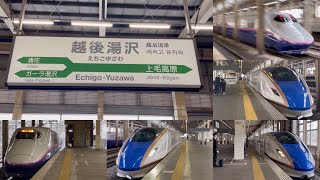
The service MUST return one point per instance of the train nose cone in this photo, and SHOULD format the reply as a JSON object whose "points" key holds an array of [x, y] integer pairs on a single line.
{"points": [[20, 159], [132, 155], [300, 157], [296, 95]]}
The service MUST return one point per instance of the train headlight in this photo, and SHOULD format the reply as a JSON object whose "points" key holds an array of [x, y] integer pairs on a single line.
{"points": [[281, 153], [152, 152]]}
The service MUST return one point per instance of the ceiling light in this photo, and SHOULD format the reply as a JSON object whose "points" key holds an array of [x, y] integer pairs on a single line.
{"points": [[34, 21], [91, 23], [150, 26], [202, 27]]}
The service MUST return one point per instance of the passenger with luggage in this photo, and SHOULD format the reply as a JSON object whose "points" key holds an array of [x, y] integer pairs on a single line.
{"points": [[217, 85]]}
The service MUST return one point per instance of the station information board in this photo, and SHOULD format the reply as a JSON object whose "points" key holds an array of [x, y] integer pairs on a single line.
{"points": [[103, 62]]}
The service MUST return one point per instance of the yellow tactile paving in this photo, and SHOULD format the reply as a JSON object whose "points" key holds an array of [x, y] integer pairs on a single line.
{"points": [[256, 169], [250, 114], [66, 167], [179, 169]]}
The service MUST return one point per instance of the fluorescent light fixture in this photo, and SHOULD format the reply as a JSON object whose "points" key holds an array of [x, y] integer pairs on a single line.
{"points": [[150, 26], [244, 9], [202, 27], [253, 7], [34, 21], [91, 23], [270, 3], [40, 116]]}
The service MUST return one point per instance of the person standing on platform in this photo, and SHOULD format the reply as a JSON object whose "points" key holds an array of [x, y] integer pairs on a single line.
{"points": [[215, 150], [223, 86], [217, 85]]}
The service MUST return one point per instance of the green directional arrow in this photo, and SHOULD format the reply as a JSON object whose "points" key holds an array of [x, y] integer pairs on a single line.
{"points": [[87, 67]]}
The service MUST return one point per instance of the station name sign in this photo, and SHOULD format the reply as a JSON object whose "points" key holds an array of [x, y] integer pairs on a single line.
{"points": [[103, 62]]}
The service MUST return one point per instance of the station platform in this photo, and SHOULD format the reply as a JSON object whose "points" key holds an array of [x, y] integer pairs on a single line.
{"points": [[75, 164], [190, 160], [244, 103], [253, 167]]}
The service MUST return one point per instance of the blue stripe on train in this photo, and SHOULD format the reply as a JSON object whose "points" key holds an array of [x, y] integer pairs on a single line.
{"points": [[300, 156], [296, 94], [132, 155]]}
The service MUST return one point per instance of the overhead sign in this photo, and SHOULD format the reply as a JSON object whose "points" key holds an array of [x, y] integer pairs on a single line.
{"points": [[103, 62]]}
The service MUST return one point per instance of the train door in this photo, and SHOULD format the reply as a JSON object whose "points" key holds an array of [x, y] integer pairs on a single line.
{"points": [[82, 140]]}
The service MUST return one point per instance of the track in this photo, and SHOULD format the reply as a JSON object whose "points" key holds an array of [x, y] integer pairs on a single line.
{"points": [[112, 156]]}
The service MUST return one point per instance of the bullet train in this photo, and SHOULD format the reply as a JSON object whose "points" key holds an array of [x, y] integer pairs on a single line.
{"points": [[283, 33], [144, 149], [111, 140], [29, 149], [287, 151], [284, 89]]}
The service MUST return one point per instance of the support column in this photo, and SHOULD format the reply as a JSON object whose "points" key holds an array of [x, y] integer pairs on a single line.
{"points": [[307, 15], [223, 20], [260, 31], [239, 141], [318, 148], [148, 123], [179, 105], [132, 126], [117, 134], [305, 132], [295, 126], [100, 113], [125, 129], [277, 8], [18, 105], [236, 21], [5, 134]]}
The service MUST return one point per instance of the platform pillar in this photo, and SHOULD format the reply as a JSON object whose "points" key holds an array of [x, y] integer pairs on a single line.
{"points": [[100, 113], [179, 106], [305, 132], [239, 141], [148, 123], [132, 126], [318, 148], [236, 21], [260, 31], [295, 126], [5, 134], [308, 15], [125, 129], [117, 134], [223, 19], [18, 105]]}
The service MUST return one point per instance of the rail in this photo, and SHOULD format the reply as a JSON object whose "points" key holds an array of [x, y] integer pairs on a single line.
{"points": [[112, 155]]}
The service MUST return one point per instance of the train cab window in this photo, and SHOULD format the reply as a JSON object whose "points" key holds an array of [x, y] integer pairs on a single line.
{"points": [[25, 135], [280, 18], [146, 134], [286, 138], [283, 74]]}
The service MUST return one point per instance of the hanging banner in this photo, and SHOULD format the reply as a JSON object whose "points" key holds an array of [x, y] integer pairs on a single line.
{"points": [[103, 62]]}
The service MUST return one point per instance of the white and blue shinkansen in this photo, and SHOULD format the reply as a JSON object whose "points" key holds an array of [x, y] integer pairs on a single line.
{"points": [[287, 151], [144, 149], [283, 33], [29, 149], [285, 89]]}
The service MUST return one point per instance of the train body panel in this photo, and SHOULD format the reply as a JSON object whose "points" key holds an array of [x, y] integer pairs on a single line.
{"points": [[144, 149], [283, 33], [287, 151], [29, 149], [285, 89]]}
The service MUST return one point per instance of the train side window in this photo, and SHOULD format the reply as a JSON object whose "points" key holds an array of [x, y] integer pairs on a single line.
{"points": [[38, 135], [279, 18], [293, 19]]}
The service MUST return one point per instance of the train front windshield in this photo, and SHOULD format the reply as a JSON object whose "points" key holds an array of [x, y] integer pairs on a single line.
{"points": [[286, 138], [283, 74], [28, 134], [146, 134]]}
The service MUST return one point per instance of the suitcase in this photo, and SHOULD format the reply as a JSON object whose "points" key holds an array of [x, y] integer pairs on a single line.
{"points": [[221, 162]]}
